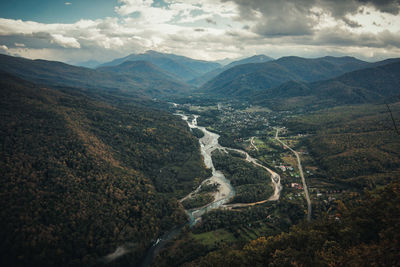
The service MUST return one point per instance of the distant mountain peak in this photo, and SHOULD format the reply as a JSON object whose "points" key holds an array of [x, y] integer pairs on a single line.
{"points": [[253, 59], [261, 56], [181, 67], [137, 77], [154, 52]]}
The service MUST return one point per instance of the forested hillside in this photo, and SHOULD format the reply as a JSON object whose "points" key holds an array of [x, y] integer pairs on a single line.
{"points": [[134, 81], [213, 73], [251, 183], [357, 145], [360, 233], [81, 176], [157, 82], [246, 79], [370, 85], [182, 67]]}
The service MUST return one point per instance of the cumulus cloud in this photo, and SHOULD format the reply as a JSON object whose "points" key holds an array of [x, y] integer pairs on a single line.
{"points": [[130, 6], [273, 27], [147, 11], [340, 37], [277, 18], [387, 6], [67, 42], [302, 17]]}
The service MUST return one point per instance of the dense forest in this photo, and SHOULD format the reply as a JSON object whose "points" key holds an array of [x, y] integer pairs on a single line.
{"points": [[138, 78], [376, 84], [222, 230], [251, 183], [357, 145], [83, 173], [361, 233], [247, 79]]}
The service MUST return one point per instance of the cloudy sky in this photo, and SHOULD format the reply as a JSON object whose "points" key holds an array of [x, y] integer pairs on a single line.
{"points": [[81, 30]]}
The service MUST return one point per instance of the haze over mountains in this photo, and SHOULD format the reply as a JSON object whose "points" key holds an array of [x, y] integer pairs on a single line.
{"points": [[370, 85], [213, 73], [242, 79], [183, 68], [159, 75], [136, 80]]}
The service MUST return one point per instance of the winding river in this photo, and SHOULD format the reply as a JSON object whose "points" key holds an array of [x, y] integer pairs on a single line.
{"points": [[209, 143], [225, 193]]}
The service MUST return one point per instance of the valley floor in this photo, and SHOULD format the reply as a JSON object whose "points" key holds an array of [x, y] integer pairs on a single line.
{"points": [[286, 147]]}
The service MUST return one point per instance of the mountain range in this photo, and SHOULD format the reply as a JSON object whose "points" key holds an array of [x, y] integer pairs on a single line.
{"points": [[376, 84], [328, 80], [214, 73], [245, 79], [140, 78], [181, 67]]}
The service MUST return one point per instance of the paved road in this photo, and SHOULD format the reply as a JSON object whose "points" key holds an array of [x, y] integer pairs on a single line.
{"points": [[252, 143], [275, 179], [208, 144], [301, 175]]}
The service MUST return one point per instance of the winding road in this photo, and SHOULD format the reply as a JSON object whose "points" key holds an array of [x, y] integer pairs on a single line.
{"points": [[275, 178], [303, 180], [252, 143]]}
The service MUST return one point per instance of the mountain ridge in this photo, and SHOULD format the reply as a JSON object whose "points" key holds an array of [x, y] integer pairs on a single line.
{"points": [[212, 74], [62, 74], [183, 67], [369, 85], [261, 76]]}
